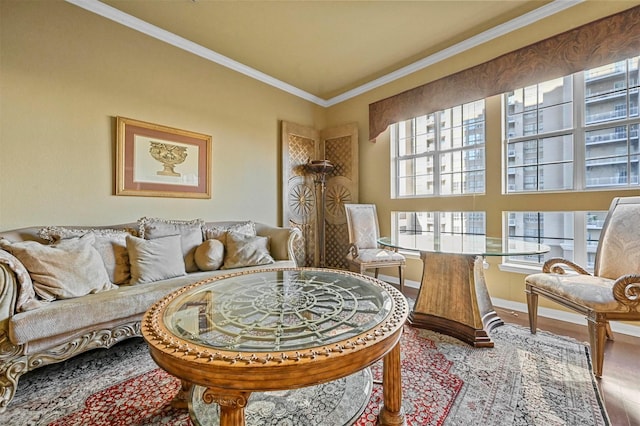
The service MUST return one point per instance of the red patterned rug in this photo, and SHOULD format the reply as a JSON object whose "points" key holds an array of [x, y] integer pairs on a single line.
{"points": [[526, 379]]}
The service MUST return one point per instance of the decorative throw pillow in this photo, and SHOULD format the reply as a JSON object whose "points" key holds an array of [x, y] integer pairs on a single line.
{"points": [[246, 250], [209, 255], [220, 232], [69, 268], [26, 299], [155, 260], [190, 232], [110, 243]]}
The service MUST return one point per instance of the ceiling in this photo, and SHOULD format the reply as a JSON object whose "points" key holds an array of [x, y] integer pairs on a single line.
{"points": [[325, 51]]}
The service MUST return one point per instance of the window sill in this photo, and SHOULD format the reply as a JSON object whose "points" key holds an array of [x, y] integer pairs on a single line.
{"points": [[519, 269]]}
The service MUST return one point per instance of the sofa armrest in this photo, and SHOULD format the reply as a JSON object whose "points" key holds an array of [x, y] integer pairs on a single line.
{"points": [[282, 240], [8, 296], [626, 289]]}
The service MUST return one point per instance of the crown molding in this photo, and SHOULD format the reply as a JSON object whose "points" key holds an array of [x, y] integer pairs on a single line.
{"points": [[109, 12]]}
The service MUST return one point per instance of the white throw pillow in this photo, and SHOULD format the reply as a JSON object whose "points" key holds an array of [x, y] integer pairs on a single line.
{"points": [[26, 299], [155, 260], [190, 232], [220, 232], [210, 255], [246, 250], [69, 268], [110, 243]]}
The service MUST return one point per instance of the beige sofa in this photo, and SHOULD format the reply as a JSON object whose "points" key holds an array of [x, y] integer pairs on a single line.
{"points": [[49, 317]]}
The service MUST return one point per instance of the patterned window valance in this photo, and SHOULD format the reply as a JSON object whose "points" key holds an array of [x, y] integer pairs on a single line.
{"points": [[597, 43]]}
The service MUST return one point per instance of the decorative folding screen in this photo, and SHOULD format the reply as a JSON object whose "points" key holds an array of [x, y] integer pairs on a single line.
{"points": [[301, 195]]}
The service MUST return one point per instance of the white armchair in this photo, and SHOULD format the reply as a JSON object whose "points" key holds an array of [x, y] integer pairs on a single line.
{"points": [[611, 293], [364, 251]]}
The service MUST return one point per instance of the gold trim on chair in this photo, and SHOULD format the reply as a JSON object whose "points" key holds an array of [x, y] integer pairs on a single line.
{"points": [[611, 293]]}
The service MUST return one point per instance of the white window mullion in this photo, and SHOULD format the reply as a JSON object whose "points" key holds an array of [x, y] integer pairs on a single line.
{"points": [[579, 238], [579, 145], [395, 160], [436, 157]]}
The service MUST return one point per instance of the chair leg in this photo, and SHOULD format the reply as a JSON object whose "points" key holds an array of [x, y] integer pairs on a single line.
{"points": [[532, 308], [401, 277], [609, 332], [597, 336], [376, 273]]}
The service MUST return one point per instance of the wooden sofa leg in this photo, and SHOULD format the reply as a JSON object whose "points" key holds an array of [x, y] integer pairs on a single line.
{"points": [[597, 337], [532, 308], [9, 375]]}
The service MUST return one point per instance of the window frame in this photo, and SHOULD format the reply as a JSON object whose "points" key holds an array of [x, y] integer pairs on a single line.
{"points": [[579, 132], [468, 145]]}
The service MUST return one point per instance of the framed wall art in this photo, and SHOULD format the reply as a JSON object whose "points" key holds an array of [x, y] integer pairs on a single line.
{"points": [[159, 161]]}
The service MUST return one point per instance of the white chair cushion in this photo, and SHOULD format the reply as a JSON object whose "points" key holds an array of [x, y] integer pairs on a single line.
{"points": [[378, 255], [586, 290]]}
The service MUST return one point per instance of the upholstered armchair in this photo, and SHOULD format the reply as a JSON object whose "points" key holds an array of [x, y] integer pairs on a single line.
{"points": [[612, 292], [364, 251]]}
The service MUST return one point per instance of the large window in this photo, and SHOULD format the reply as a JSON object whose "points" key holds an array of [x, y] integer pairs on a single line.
{"points": [[578, 132], [571, 235], [440, 153]]}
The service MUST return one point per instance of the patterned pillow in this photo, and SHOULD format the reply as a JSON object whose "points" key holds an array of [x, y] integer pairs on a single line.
{"points": [[54, 269], [110, 243], [220, 232], [156, 259], [190, 232], [246, 250]]}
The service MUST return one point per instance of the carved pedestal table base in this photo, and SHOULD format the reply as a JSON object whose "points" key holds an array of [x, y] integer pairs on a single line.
{"points": [[453, 298]]}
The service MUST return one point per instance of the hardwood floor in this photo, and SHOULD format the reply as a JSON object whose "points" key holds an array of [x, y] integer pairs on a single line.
{"points": [[620, 382]]}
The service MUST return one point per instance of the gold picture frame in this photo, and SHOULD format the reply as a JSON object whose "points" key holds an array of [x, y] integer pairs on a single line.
{"points": [[159, 161]]}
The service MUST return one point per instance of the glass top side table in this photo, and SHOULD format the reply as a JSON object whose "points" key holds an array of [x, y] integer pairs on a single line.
{"points": [[453, 298]]}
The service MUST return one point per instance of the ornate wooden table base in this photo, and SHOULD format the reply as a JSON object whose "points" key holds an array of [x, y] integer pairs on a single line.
{"points": [[453, 298], [326, 325], [232, 403]]}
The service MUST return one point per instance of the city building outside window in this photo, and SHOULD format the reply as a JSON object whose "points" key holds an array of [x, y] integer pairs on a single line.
{"points": [[441, 153], [570, 235], [578, 132]]}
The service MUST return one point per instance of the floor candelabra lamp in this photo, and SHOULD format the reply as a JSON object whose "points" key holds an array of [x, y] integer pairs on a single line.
{"points": [[320, 170]]}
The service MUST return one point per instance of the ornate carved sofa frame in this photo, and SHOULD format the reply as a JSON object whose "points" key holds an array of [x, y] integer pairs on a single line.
{"points": [[64, 328]]}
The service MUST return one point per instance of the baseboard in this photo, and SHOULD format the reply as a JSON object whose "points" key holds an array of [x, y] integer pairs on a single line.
{"points": [[555, 314]]}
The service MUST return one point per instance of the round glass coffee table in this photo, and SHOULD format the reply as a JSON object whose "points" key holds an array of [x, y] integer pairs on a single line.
{"points": [[274, 330]]}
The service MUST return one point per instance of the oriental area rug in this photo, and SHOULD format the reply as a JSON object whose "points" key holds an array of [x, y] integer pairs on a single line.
{"points": [[526, 379]]}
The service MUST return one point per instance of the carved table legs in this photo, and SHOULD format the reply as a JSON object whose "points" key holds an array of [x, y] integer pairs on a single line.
{"points": [[392, 412]]}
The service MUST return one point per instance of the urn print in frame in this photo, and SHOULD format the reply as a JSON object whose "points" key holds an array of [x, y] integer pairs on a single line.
{"points": [[159, 161]]}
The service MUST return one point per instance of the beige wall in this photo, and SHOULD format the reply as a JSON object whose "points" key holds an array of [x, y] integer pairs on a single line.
{"points": [[66, 73]]}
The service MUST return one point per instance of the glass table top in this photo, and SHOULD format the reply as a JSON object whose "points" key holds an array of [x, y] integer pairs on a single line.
{"points": [[280, 310], [479, 245]]}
